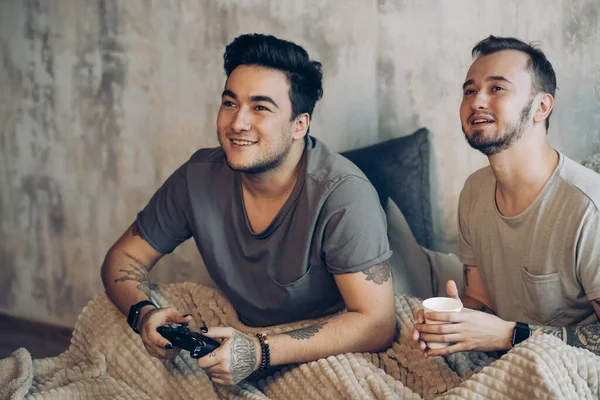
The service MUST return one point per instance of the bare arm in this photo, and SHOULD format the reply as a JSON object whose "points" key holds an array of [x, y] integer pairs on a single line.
{"points": [[125, 270], [583, 336], [368, 326], [474, 295]]}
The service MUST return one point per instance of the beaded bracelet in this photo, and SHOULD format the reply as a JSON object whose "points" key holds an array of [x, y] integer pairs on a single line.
{"points": [[264, 346]]}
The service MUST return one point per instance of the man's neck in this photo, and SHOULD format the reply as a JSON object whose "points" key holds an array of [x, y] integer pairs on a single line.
{"points": [[278, 182], [522, 171]]}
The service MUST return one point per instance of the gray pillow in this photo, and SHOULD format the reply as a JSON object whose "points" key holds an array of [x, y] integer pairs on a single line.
{"points": [[399, 169], [411, 269], [416, 270]]}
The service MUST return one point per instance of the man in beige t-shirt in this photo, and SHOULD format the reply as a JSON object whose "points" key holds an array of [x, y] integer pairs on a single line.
{"points": [[529, 222]]}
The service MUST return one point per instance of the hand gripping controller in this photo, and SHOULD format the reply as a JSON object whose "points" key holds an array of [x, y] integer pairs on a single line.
{"points": [[180, 336]]}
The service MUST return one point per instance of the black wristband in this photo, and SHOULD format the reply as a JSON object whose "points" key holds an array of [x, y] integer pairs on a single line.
{"points": [[134, 314], [521, 332], [264, 349]]}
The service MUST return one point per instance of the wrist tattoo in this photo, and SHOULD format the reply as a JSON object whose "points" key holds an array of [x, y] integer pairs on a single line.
{"points": [[306, 333], [243, 356], [378, 273], [555, 331], [146, 316], [137, 274]]}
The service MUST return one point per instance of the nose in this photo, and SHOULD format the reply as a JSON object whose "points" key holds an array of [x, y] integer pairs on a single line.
{"points": [[480, 100], [241, 121]]}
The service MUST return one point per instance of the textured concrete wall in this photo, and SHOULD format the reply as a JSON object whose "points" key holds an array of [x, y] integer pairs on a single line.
{"points": [[101, 100]]}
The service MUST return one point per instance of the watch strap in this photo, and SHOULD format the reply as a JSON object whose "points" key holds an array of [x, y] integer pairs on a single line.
{"points": [[133, 317], [521, 332]]}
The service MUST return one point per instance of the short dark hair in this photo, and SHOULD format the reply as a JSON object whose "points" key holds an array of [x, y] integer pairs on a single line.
{"points": [[304, 75], [543, 77]]}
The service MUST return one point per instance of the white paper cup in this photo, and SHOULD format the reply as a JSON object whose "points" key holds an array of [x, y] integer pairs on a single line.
{"points": [[440, 304]]}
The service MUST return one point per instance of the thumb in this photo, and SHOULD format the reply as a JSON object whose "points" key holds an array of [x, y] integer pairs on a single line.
{"points": [[179, 318], [451, 290]]}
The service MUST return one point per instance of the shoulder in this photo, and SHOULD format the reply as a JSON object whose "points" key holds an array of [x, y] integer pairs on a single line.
{"points": [[477, 182], [208, 155], [583, 182], [331, 169]]}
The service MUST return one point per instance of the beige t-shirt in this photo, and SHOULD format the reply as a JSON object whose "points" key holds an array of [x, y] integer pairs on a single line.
{"points": [[543, 265]]}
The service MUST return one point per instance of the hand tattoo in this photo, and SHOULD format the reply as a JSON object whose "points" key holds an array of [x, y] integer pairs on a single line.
{"points": [[243, 356], [306, 333], [378, 273], [138, 274]]}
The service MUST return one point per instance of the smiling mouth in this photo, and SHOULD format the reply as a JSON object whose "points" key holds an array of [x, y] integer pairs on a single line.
{"points": [[479, 121], [241, 142]]}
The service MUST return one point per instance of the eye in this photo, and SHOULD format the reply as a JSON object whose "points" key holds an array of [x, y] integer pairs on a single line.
{"points": [[261, 108], [228, 103], [468, 92], [497, 88]]}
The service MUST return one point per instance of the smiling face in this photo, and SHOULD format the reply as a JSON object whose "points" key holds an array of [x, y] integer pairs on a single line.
{"points": [[254, 123], [497, 100]]}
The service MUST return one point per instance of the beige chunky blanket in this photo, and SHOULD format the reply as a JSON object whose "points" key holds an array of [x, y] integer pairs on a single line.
{"points": [[106, 360]]}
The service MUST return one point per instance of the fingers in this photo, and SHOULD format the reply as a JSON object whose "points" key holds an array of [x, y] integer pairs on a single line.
{"points": [[452, 290], [453, 348], [209, 361], [446, 316], [420, 320], [157, 345], [443, 338], [438, 328], [182, 318], [421, 316], [218, 332]]}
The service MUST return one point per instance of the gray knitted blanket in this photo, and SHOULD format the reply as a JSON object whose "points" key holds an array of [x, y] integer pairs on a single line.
{"points": [[106, 360]]}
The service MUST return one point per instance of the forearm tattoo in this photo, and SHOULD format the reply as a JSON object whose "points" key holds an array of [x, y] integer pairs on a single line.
{"points": [[483, 308], [582, 336], [137, 274], [306, 333], [379, 273], [466, 270], [243, 356]]}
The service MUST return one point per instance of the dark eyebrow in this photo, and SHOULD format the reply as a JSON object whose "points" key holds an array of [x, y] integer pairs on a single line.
{"points": [[488, 79], [254, 99], [263, 98], [497, 78], [229, 93], [467, 83]]}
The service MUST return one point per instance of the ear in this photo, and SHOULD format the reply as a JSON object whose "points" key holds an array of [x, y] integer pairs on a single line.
{"points": [[544, 107], [301, 125]]}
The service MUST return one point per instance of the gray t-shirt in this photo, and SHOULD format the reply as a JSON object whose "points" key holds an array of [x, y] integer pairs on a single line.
{"points": [[332, 223], [543, 265]]}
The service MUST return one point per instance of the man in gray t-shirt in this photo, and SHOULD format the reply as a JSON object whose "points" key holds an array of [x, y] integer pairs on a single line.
{"points": [[529, 224], [287, 229]]}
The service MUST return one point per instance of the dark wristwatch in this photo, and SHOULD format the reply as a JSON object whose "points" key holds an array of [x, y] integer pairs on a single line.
{"points": [[134, 314], [521, 332]]}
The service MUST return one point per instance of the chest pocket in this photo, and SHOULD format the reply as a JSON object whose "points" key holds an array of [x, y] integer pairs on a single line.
{"points": [[309, 295], [543, 297]]}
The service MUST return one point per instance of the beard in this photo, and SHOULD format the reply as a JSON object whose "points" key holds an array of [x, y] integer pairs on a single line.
{"points": [[503, 138], [270, 160]]}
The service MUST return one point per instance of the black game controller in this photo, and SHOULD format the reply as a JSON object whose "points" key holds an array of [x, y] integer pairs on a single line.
{"points": [[181, 336]]}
